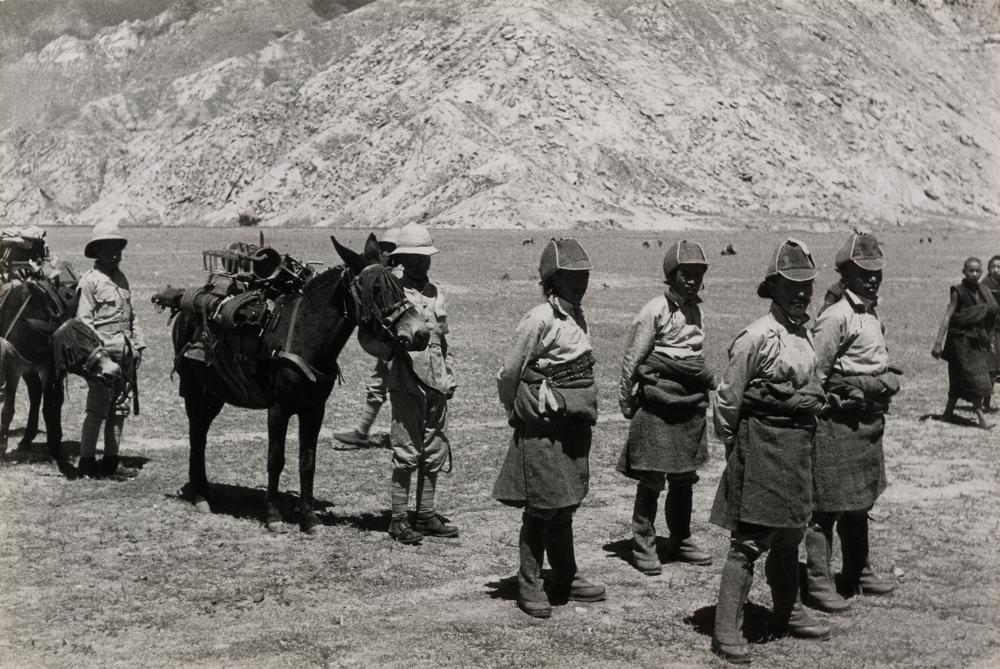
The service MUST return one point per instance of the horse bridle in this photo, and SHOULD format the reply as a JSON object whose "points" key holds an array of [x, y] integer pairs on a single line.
{"points": [[387, 318]]}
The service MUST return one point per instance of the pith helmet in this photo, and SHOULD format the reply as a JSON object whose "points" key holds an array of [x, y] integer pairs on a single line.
{"points": [[103, 231], [388, 239], [791, 260], [863, 250], [414, 239], [683, 253], [565, 254]]}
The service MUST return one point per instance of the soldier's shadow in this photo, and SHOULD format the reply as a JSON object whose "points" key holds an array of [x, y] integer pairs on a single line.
{"points": [[38, 452], [754, 622]]}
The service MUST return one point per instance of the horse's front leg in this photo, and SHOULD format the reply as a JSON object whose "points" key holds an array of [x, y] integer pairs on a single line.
{"points": [[11, 380], [277, 430], [52, 403], [35, 386], [310, 421]]}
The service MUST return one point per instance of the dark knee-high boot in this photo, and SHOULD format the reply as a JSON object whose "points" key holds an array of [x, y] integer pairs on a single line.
{"points": [[677, 509], [567, 583], [530, 591], [728, 641], [821, 591], [858, 577], [788, 616], [644, 530]]}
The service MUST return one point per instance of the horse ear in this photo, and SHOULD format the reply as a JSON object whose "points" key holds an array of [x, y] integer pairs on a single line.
{"points": [[353, 261], [371, 252]]}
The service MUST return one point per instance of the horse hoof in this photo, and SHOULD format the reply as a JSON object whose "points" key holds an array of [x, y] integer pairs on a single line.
{"points": [[276, 527], [201, 505]]}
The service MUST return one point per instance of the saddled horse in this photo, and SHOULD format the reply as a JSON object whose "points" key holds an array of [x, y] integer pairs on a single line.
{"points": [[31, 312], [302, 341]]}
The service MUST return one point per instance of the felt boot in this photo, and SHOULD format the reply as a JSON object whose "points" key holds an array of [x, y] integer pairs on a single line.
{"points": [[400, 530], [677, 510], [728, 641], [644, 532], [821, 591], [567, 584], [358, 436], [788, 617], [530, 591], [857, 576], [86, 467]]}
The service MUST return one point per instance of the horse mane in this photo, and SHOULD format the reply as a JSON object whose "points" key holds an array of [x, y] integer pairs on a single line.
{"points": [[319, 281], [72, 341], [377, 289]]}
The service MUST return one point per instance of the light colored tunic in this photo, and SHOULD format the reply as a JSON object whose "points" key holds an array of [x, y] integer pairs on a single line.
{"points": [[667, 324], [850, 339], [765, 350], [550, 334]]}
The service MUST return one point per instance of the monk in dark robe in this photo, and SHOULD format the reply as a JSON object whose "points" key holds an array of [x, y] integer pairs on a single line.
{"points": [[965, 341], [992, 283]]}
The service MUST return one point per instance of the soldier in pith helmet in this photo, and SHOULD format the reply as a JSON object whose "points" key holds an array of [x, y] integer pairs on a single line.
{"points": [[106, 306]]}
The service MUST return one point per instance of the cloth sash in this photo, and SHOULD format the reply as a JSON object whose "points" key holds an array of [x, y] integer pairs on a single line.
{"points": [[863, 394], [669, 384], [558, 398], [770, 399]]}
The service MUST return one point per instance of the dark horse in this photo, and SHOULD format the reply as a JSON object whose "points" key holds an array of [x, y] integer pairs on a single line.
{"points": [[31, 313], [305, 334]]}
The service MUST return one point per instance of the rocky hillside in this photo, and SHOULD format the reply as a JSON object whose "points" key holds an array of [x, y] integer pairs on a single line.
{"points": [[501, 113]]}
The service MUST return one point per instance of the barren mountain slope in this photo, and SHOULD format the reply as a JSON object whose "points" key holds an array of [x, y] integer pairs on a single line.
{"points": [[513, 113]]}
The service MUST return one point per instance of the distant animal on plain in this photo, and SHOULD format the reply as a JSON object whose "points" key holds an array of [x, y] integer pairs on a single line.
{"points": [[929, 240], [605, 286], [527, 241], [505, 276], [728, 251], [645, 245], [659, 242], [921, 240]]}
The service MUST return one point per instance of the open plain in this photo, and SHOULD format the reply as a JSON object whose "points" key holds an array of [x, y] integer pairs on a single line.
{"points": [[102, 573]]}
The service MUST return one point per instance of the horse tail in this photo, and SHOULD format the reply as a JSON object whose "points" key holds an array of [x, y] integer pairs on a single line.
{"points": [[72, 343]]}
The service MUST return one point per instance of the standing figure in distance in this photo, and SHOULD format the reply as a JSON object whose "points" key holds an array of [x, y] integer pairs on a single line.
{"points": [[547, 387], [664, 391], [848, 461], [964, 340], [765, 416], [376, 392], [106, 305], [420, 384], [992, 283]]}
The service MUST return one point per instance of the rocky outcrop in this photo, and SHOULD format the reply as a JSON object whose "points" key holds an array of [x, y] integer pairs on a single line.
{"points": [[515, 113]]}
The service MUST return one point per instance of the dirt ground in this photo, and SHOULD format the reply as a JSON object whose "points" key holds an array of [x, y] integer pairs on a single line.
{"points": [[100, 573]]}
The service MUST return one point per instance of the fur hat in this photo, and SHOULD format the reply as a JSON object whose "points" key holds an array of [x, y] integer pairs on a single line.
{"points": [[565, 254], [103, 231], [683, 253], [791, 260], [863, 250], [414, 239]]}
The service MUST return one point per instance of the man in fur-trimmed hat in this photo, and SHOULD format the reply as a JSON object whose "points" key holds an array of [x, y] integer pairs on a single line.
{"points": [[663, 389], [106, 306], [848, 461], [547, 387], [765, 416]]}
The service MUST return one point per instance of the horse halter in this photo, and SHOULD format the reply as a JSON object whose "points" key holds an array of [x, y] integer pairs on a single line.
{"points": [[387, 317], [90, 365]]}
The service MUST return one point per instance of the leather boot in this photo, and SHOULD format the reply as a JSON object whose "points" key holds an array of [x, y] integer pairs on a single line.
{"points": [[567, 584], [644, 531], [858, 577], [788, 617], [821, 591], [677, 510], [728, 641], [530, 592], [86, 467]]}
